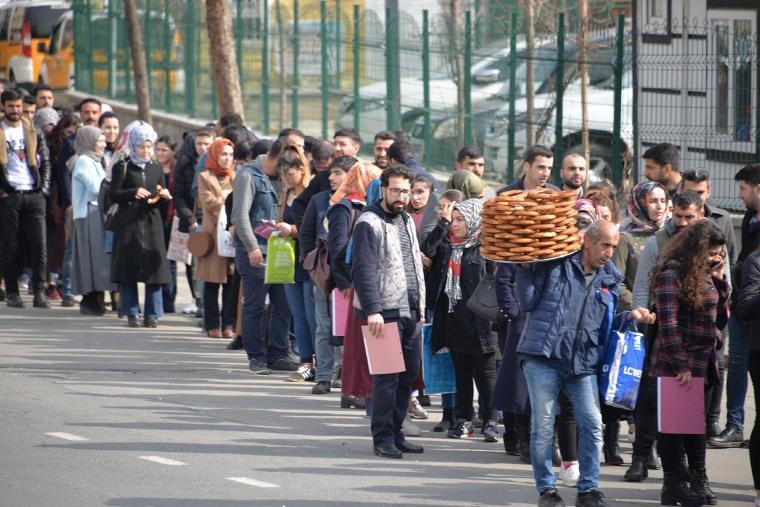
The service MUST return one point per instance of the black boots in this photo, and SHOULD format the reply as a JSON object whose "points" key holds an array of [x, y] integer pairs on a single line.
{"points": [[611, 447], [637, 472], [677, 492], [523, 437], [701, 486]]}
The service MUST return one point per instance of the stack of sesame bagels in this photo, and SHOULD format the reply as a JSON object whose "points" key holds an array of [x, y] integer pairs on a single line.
{"points": [[526, 226]]}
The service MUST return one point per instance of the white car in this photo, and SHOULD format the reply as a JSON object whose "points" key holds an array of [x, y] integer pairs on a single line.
{"points": [[601, 109]]}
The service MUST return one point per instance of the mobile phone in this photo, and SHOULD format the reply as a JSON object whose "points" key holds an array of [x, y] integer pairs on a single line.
{"points": [[715, 265]]}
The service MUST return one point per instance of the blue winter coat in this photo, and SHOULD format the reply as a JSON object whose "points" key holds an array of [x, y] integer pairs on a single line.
{"points": [[567, 322]]}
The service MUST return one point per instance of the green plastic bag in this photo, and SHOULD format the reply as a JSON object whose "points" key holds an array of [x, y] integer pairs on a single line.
{"points": [[281, 260]]}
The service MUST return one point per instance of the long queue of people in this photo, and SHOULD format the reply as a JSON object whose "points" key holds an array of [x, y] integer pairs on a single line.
{"points": [[89, 210]]}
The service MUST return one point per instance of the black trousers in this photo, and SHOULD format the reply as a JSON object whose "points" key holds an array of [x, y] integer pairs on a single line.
{"points": [[212, 319], [567, 429], [754, 441], [23, 212], [482, 368], [391, 391], [645, 417]]}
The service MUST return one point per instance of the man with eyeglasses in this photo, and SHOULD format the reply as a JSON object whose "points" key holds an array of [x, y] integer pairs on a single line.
{"points": [[390, 287]]}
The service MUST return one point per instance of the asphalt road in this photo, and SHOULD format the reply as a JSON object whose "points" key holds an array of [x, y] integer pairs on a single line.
{"points": [[93, 413]]}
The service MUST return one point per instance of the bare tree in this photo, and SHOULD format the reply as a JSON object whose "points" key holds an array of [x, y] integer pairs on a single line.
{"points": [[222, 54], [139, 67], [282, 53], [456, 13]]}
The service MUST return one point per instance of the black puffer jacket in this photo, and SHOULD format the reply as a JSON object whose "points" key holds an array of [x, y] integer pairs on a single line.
{"points": [[747, 303], [461, 330]]}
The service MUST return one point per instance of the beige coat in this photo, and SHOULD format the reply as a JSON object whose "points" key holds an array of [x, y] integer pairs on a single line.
{"points": [[212, 191]]}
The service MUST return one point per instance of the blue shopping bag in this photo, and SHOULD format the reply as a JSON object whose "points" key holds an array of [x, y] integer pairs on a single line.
{"points": [[438, 367], [622, 367]]}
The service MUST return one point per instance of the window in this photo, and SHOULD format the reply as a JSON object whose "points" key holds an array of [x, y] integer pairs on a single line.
{"points": [[656, 16], [732, 40]]}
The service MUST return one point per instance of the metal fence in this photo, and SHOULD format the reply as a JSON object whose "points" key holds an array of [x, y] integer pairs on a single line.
{"points": [[322, 65]]}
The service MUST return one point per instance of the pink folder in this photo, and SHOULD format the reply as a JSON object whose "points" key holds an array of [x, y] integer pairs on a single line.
{"points": [[680, 410], [340, 308], [265, 229], [384, 354]]}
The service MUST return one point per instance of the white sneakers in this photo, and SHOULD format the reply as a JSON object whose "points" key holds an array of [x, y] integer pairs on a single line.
{"points": [[190, 309], [569, 473]]}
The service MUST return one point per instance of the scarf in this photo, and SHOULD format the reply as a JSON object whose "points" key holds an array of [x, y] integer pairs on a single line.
{"points": [[638, 222], [84, 146], [139, 134], [466, 182], [45, 116], [470, 209], [588, 207], [212, 160], [354, 186]]}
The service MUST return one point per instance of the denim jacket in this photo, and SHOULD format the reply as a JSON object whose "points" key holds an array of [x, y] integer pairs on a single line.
{"points": [[255, 201]]}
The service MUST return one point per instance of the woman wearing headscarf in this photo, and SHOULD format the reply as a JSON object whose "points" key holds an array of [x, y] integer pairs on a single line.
{"points": [[91, 266], [346, 204], [468, 183], [138, 186], [647, 212], [457, 268], [214, 185]]}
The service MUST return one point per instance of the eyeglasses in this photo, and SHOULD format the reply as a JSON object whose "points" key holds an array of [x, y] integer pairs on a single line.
{"points": [[396, 192]]}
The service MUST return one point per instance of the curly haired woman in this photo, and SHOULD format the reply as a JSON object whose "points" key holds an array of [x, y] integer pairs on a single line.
{"points": [[691, 294]]}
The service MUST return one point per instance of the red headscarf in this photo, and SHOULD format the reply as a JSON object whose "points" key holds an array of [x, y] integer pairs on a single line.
{"points": [[212, 159], [354, 187]]}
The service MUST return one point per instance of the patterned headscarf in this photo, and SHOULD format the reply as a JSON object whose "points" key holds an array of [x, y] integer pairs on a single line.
{"points": [[354, 186], [470, 210], [466, 182], [637, 221], [138, 135], [212, 160], [86, 141], [45, 116]]}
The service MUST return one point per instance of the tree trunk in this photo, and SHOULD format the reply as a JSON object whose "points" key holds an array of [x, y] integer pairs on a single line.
{"points": [[455, 43], [282, 54], [139, 68], [222, 54], [583, 64], [530, 139]]}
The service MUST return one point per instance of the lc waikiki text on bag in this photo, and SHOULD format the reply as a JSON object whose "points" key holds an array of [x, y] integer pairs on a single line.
{"points": [[622, 367], [280, 260]]}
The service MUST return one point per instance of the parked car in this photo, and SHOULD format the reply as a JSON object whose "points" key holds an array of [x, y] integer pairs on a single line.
{"points": [[25, 29], [444, 124], [601, 108]]}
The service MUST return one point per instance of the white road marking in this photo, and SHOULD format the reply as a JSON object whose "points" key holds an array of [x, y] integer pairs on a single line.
{"points": [[252, 482], [162, 461], [68, 436]]}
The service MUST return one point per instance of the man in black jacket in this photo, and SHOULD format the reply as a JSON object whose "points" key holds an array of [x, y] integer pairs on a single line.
{"points": [[738, 366], [312, 230], [390, 287], [24, 183]]}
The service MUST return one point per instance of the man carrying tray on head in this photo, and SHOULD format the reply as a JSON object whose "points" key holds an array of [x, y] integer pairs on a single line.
{"points": [[566, 302]]}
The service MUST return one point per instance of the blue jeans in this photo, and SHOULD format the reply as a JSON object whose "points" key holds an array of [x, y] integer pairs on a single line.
{"points": [[544, 384], [66, 275], [324, 351], [301, 301], [275, 344], [154, 304], [737, 371]]}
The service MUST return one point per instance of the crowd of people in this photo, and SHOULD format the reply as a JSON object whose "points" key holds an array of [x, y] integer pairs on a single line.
{"points": [[88, 210]]}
